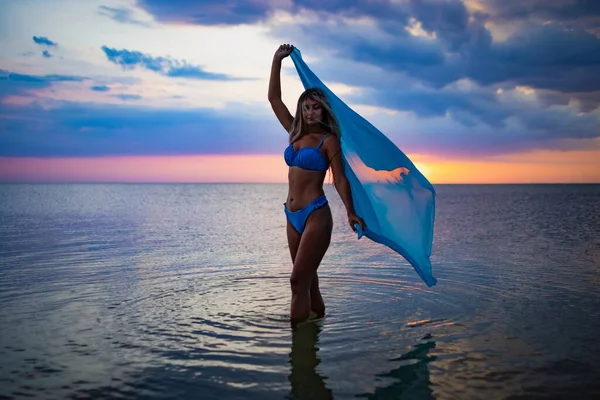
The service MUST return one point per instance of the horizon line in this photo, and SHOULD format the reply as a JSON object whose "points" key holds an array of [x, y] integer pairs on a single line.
{"points": [[266, 183]]}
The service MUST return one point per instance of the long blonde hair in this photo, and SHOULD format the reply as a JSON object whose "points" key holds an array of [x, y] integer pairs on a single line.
{"points": [[297, 130]]}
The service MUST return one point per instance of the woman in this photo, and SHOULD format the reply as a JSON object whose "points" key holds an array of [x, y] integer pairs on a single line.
{"points": [[314, 147]]}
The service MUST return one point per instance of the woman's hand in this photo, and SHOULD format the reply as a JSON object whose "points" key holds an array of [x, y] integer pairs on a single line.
{"points": [[355, 219], [283, 51]]}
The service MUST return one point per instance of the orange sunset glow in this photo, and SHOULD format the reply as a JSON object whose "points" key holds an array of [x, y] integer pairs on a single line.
{"points": [[533, 167]]}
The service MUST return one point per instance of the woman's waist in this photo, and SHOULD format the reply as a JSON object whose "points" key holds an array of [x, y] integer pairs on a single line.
{"points": [[301, 199]]}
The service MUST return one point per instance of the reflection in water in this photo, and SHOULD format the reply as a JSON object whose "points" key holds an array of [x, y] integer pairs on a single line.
{"points": [[411, 377], [305, 381]]}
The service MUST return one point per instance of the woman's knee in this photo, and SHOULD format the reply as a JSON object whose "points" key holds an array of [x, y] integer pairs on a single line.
{"points": [[299, 283]]}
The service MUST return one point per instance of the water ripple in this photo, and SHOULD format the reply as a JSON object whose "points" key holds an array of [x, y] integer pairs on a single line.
{"points": [[138, 292]]}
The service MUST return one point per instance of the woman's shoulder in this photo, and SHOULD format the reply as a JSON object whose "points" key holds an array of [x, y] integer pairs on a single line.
{"points": [[331, 141], [330, 137]]}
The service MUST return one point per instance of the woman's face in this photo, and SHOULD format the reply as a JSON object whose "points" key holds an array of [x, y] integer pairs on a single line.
{"points": [[312, 111]]}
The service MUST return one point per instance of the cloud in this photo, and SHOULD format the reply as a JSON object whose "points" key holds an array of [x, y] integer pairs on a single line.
{"points": [[74, 129], [448, 15], [233, 12], [548, 56], [544, 56], [483, 106], [423, 73], [100, 88], [448, 19], [162, 65], [6, 76], [44, 41], [472, 106], [125, 97], [20, 84], [65, 129], [207, 12], [122, 15], [580, 13]]}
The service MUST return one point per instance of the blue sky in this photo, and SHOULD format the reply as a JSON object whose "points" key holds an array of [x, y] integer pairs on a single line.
{"points": [[446, 78]]}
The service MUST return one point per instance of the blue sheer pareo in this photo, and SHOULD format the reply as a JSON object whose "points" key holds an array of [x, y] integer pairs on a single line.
{"points": [[395, 200]]}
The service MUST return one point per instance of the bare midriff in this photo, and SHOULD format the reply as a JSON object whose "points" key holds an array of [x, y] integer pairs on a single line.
{"points": [[304, 187]]}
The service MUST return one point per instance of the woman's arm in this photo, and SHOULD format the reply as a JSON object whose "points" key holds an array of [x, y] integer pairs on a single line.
{"points": [[281, 111], [334, 152]]}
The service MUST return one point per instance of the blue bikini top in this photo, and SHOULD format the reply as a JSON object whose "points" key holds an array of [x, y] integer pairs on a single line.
{"points": [[307, 157]]}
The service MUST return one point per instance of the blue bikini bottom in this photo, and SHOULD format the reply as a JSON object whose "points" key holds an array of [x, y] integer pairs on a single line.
{"points": [[298, 218]]}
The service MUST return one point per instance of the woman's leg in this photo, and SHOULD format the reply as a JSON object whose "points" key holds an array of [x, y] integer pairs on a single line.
{"points": [[316, 300], [312, 247], [317, 305], [293, 240]]}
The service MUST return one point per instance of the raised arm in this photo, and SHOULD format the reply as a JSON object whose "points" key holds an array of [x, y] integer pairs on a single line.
{"points": [[281, 111]]}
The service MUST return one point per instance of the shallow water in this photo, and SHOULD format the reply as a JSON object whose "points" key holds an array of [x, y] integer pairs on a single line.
{"points": [[181, 291]]}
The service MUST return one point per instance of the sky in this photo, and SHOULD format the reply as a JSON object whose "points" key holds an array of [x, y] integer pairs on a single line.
{"points": [[473, 91]]}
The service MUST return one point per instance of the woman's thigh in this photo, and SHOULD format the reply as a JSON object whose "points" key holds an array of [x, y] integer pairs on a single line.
{"points": [[313, 244]]}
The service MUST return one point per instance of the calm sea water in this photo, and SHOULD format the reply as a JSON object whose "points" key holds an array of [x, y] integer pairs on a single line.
{"points": [[182, 291]]}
